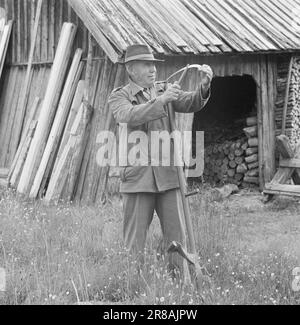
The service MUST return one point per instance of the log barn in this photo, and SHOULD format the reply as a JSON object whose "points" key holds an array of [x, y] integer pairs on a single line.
{"points": [[252, 46]]}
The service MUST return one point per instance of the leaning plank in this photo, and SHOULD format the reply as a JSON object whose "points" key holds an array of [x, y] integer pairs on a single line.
{"points": [[73, 113], [59, 122], [13, 181], [28, 78], [49, 107], [61, 169], [32, 116], [4, 44]]}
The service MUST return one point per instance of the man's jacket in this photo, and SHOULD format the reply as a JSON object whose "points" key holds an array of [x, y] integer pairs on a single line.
{"points": [[134, 112]]}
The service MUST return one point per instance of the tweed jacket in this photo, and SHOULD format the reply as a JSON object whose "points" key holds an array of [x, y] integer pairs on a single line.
{"points": [[134, 112]]}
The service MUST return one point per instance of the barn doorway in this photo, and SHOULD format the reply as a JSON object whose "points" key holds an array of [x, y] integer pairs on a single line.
{"points": [[231, 139]]}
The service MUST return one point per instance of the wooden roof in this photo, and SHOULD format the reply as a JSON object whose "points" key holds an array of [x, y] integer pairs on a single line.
{"points": [[181, 27]]}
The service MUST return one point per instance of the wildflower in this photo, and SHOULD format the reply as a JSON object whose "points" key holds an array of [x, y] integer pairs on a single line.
{"points": [[162, 299]]}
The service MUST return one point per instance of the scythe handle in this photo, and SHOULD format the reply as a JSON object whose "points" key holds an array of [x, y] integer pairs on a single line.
{"points": [[181, 176]]}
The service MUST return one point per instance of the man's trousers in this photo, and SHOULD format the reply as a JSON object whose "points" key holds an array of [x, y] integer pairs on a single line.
{"points": [[138, 215]]}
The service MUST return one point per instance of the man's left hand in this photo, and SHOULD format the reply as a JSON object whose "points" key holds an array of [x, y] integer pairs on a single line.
{"points": [[207, 76]]}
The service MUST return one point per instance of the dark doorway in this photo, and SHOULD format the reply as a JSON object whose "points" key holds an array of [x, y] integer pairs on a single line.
{"points": [[233, 101]]}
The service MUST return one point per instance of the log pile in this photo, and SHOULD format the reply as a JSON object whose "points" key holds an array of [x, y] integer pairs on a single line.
{"points": [[234, 161], [288, 93], [251, 154]]}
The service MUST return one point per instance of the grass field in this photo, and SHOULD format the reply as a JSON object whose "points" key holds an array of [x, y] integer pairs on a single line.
{"points": [[66, 254]]}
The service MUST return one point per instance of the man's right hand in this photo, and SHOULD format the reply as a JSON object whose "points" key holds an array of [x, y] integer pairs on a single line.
{"points": [[171, 94]]}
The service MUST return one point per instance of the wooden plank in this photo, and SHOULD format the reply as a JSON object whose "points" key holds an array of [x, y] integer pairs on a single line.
{"points": [[44, 31], [10, 110], [4, 44], [11, 122], [29, 72], [10, 82], [293, 190], [51, 49], [25, 31], [78, 98], [290, 163], [31, 117], [61, 169], [48, 108], [13, 179], [59, 122], [265, 122]]}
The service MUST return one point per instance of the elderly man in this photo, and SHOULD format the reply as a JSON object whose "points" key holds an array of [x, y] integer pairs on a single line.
{"points": [[142, 106]]}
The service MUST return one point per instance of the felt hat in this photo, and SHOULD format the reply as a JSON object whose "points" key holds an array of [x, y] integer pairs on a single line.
{"points": [[139, 52]]}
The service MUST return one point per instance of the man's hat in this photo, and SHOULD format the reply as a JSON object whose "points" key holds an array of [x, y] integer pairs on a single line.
{"points": [[139, 53]]}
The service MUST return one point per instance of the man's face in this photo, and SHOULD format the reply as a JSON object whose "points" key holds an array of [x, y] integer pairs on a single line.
{"points": [[143, 73]]}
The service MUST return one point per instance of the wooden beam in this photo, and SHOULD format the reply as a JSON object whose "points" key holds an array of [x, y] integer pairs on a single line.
{"points": [[290, 163], [4, 41], [293, 190], [28, 78], [31, 117]]}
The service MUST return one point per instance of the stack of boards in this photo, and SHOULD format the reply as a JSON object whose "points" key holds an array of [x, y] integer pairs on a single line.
{"points": [[46, 161]]}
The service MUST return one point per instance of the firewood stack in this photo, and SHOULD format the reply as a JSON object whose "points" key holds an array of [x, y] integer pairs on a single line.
{"points": [[234, 161], [251, 159], [293, 108]]}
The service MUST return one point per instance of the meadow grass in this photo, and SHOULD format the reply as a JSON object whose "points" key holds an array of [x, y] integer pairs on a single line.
{"points": [[67, 254]]}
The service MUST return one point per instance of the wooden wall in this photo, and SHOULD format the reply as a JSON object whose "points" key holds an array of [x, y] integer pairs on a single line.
{"points": [[54, 13]]}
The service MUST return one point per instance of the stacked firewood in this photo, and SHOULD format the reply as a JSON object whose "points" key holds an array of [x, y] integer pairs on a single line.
{"points": [[225, 163], [292, 124], [251, 154], [295, 99], [234, 161]]}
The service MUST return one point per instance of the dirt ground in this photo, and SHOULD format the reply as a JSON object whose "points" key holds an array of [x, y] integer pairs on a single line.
{"points": [[275, 225]]}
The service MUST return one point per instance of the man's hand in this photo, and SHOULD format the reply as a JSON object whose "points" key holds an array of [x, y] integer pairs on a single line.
{"points": [[206, 76], [171, 94]]}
